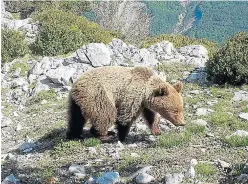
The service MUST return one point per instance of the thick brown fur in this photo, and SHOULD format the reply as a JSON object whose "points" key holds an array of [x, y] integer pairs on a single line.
{"points": [[115, 94]]}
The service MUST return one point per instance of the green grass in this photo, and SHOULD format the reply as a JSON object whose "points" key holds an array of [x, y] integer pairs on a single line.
{"points": [[128, 161], [205, 169], [173, 71], [91, 142], [195, 129], [222, 92], [20, 64], [173, 139], [221, 118], [65, 148], [236, 141], [16, 16], [48, 95], [7, 108]]}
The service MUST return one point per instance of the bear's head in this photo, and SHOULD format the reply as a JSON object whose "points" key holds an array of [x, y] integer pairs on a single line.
{"points": [[168, 102]]}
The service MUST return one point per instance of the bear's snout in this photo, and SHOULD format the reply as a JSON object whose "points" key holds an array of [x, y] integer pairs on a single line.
{"points": [[176, 119]]}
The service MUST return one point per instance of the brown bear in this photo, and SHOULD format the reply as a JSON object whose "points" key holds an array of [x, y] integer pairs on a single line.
{"points": [[115, 94]]}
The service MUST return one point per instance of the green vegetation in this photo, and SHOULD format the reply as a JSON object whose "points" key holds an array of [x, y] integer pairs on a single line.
{"points": [[164, 16], [230, 63], [195, 129], [236, 141], [220, 20], [180, 41], [26, 8], [20, 64], [173, 139], [64, 32], [174, 71], [205, 169], [91, 142], [66, 148], [13, 45], [44, 95]]}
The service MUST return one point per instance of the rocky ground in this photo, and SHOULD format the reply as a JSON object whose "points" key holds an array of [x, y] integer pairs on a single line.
{"points": [[211, 148]]}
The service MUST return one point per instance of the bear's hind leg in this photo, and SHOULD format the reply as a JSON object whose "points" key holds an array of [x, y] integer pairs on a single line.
{"points": [[76, 121], [152, 120], [123, 130]]}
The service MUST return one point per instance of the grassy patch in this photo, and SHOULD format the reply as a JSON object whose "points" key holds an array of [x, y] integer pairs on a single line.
{"points": [[32, 85], [7, 108], [221, 118], [16, 16], [223, 93], [44, 95], [195, 129], [173, 139], [127, 161], [91, 142], [64, 149], [20, 64], [205, 169], [236, 141], [47, 174], [174, 71]]}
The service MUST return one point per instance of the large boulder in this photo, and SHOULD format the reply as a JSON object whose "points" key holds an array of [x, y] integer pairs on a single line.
{"points": [[98, 54], [61, 75]]}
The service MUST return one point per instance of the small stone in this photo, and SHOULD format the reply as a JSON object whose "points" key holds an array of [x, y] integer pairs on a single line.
{"points": [[25, 88], [203, 150], [15, 114], [74, 168], [175, 178], [240, 133], [212, 102], [243, 178], [10, 180], [200, 122], [193, 162], [195, 92], [209, 135], [91, 180], [120, 145], [132, 145], [43, 102], [203, 111], [224, 164], [135, 155], [12, 157], [244, 116], [27, 147], [17, 73], [80, 175], [140, 127], [109, 178], [240, 96], [190, 173], [18, 127], [152, 138], [92, 150], [5, 122], [144, 178], [142, 170]]}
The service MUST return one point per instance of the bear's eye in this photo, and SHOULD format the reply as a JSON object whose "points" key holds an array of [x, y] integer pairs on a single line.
{"points": [[160, 92]]}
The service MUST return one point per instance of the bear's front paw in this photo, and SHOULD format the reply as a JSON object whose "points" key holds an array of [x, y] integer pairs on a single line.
{"points": [[156, 131]]}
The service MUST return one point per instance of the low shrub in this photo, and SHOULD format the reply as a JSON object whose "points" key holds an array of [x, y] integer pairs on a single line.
{"points": [[13, 45], [230, 63], [63, 32]]}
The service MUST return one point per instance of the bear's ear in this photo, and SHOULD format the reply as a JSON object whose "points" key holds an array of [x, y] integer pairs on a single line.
{"points": [[160, 92], [178, 86]]}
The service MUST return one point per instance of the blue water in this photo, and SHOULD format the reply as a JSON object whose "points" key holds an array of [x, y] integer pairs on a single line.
{"points": [[197, 14]]}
